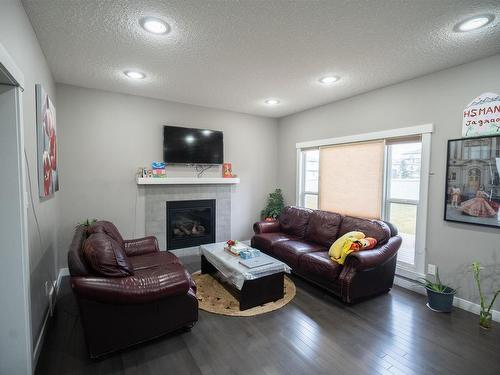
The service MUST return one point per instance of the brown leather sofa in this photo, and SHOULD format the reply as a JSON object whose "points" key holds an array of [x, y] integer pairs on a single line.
{"points": [[302, 237], [127, 290]]}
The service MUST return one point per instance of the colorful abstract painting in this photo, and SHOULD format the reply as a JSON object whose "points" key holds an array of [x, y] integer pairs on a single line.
{"points": [[48, 179]]}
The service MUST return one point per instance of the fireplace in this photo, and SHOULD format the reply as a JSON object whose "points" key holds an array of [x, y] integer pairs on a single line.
{"points": [[190, 223]]}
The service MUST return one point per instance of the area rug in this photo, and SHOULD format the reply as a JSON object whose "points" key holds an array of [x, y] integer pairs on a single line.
{"points": [[215, 298]]}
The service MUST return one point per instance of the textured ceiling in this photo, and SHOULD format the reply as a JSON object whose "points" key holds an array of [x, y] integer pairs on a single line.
{"points": [[233, 55]]}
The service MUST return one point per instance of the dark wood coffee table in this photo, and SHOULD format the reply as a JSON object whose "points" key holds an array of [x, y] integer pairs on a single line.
{"points": [[250, 286]]}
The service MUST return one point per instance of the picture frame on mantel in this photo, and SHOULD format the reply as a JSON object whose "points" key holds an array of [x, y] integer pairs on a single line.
{"points": [[472, 194]]}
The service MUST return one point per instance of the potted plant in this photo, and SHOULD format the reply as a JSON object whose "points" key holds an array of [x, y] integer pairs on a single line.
{"points": [[87, 223], [439, 296], [275, 204], [485, 312]]}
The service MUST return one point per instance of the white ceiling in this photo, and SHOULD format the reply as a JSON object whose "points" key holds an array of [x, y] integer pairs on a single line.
{"points": [[233, 55]]}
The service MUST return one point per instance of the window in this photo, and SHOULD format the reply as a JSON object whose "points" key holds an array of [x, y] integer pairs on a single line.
{"points": [[403, 161], [351, 178], [391, 173], [309, 182]]}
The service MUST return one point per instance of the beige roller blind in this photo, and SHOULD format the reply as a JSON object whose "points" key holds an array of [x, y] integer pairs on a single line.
{"points": [[351, 179]]}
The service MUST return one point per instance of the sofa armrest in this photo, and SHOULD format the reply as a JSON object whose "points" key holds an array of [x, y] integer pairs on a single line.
{"points": [[135, 289], [141, 246], [362, 260], [266, 227]]}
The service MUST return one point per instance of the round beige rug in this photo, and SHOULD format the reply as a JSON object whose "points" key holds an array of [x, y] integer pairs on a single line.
{"points": [[214, 297]]}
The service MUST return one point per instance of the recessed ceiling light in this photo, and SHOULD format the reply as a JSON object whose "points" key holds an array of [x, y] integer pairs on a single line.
{"points": [[155, 25], [272, 101], [328, 79], [474, 23], [134, 74]]}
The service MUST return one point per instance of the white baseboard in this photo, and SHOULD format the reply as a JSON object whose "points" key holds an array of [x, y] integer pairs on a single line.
{"points": [[41, 337], [62, 272], [408, 284], [457, 302], [473, 308]]}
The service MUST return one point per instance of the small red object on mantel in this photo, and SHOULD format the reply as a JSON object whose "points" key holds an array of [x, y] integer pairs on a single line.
{"points": [[269, 219], [227, 170]]}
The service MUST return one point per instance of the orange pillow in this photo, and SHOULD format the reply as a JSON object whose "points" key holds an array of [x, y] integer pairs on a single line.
{"points": [[366, 243]]}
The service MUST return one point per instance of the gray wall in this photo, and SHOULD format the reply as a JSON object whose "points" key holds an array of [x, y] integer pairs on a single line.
{"points": [[437, 98], [105, 137], [18, 38]]}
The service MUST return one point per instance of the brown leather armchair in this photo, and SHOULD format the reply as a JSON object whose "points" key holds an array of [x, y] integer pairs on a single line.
{"points": [[302, 237], [152, 295]]}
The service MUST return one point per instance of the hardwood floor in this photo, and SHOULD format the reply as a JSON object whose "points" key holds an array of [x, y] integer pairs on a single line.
{"points": [[314, 334]]}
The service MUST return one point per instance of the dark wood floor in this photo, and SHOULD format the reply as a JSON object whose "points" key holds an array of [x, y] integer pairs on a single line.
{"points": [[314, 334]]}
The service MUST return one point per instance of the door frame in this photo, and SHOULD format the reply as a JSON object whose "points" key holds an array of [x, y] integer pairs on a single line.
{"points": [[19, 357]]}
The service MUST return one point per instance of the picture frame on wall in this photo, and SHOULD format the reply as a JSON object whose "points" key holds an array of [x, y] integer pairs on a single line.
{"points": [[472, 192], [48, 177]]}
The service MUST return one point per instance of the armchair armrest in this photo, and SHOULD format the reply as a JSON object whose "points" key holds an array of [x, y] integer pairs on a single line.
{"points": [[141, 246], [266, 227], [361, 260], [136, 289]]}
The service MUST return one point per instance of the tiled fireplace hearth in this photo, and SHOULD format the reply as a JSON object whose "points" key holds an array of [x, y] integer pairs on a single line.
{"points": [[159, 197]]}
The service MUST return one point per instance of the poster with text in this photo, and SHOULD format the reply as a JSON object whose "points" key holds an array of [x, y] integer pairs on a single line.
{"points": [[482, 116]]}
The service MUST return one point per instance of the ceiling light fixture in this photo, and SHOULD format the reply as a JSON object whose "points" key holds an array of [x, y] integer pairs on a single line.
{"points": [[134, 74], [328, 79], [474, 23], [155, 25], [272, 101]]}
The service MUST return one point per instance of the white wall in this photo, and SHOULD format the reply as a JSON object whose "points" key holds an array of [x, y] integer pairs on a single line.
{"points": [[105, 137], [438, 98], [19, 39]]}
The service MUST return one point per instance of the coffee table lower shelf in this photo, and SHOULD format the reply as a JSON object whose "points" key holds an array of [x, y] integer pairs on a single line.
{"points": [[254, 292]]}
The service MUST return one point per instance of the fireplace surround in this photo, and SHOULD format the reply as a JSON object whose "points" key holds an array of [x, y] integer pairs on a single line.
{"points": [[155, 198]]}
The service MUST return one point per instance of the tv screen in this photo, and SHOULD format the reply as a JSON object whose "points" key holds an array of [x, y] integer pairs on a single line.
{"points": [[192, 146]]}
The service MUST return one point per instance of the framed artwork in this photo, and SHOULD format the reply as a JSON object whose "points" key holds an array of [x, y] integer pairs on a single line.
{"points": [[473, 182], [48, 179]]}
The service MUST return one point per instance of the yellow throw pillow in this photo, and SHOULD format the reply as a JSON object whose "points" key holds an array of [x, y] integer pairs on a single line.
{"points": [[335, 251]]}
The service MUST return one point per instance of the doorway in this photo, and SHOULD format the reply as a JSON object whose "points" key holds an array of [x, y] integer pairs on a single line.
{"points": [[15, 315]]}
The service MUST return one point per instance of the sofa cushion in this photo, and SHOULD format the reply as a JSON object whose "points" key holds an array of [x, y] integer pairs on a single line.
{"points": [[294, 220], [319, 265], [152, 260], [265, 241], [109, 228], [371, 228], [323, 227], [106, 257], [145, 286], [290, 251]]}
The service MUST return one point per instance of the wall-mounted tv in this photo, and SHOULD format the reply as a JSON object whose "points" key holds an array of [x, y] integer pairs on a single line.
{"points": [[192, 146]]}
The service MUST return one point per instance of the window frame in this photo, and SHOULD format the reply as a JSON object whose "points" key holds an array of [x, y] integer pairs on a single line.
{"points": [[424, 131], [301, 181], [405, 269]]}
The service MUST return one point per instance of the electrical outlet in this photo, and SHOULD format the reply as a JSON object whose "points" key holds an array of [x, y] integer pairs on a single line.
{"points": [[431, 269]]}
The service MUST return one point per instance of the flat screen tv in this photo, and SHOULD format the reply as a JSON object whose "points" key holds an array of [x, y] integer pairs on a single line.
{"points": [[192, 146]]}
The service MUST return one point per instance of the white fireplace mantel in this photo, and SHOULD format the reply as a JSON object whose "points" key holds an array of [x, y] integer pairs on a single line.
{"points": [[187, 181]]}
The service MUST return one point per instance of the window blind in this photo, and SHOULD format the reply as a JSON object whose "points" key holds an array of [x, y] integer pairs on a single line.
{"points": [[351, 179]]}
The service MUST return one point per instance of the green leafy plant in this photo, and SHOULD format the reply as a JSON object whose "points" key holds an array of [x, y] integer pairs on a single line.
{"points": [[436, 285], [485, 313], [87, 223], [275, 204]]}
